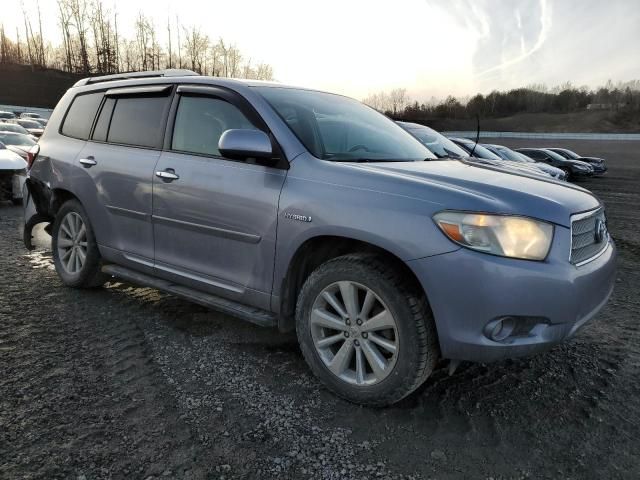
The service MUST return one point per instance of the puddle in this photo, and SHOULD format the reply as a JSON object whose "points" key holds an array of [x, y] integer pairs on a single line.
{"points": [[40, 259]]}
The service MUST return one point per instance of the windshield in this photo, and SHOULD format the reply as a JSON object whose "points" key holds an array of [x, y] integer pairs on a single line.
{"points": [[569, 154], [437, 143], [12, 127], [509, 154], [554, 155], [16, 139], [525, 158], [29, 124], [333, 127], [479, 151], [6, 115]]}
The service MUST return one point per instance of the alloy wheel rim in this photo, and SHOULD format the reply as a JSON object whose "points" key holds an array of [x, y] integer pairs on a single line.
{"points": [[72, 243], [354, 333]]}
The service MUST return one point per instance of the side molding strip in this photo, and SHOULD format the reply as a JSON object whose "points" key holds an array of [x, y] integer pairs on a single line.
{"points": [[217, 231]]}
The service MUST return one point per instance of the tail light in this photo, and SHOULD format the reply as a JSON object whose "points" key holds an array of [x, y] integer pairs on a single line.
{"points": [[32, 154]]}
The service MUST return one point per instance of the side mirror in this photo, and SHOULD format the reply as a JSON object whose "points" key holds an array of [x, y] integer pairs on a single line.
{"points": [[239, 144]]}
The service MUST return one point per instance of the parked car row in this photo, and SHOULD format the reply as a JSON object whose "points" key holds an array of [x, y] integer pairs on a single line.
{"points": [[11, 115], [32, 122], [557, 163]]}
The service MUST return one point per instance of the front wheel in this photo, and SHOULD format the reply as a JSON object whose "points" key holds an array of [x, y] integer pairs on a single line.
{"points": [[364, 331], [75, 251]]}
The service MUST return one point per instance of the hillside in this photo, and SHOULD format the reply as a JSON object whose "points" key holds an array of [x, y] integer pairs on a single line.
{"points": [[22, 85]]}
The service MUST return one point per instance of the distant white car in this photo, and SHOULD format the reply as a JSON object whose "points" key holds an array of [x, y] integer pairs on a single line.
{"points": [[34, 127], [13, 173]]}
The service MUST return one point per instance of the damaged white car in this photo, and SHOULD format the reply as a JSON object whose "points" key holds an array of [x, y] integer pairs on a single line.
{"points": [[13, 172]]}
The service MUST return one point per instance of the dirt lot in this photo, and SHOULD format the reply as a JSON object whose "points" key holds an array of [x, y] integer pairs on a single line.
{"points": [[125, 382]]}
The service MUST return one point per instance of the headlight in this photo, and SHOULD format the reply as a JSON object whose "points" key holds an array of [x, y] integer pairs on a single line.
{"points": [[508, 236]]}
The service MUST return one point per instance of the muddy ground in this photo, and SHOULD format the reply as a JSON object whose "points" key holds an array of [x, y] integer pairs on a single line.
{"points": [[126, 382]]}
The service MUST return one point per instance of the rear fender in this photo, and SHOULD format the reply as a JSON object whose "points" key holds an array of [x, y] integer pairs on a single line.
{"points": [[37, 200]]}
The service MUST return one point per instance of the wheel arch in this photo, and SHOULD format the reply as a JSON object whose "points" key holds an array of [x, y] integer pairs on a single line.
{"points": [[319, 249]]}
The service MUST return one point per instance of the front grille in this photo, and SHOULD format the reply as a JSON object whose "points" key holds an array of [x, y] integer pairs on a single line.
{"points": [[586, 241]]}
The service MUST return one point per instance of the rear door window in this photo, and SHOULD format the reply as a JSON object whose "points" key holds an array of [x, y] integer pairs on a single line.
{"points": [[80, 116], [138, 121], [200, 121]]}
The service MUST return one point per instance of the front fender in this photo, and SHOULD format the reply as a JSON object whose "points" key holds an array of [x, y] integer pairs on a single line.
{"points": [[312, 208]]}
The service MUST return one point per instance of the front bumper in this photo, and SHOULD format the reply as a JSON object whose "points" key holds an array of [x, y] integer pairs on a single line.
{"points": [[467, 290]]}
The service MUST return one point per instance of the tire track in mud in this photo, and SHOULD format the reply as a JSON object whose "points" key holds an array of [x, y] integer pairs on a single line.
{"points": [[80, 393], [145, 375]]}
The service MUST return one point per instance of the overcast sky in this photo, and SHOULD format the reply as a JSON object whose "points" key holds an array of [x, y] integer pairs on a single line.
{"points": [[430, 47]]}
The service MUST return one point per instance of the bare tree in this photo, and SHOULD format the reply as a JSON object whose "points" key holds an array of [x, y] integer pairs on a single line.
{"points": [[91, 43], [81, 22], [398, 99], [169, 59], [196, 47]]}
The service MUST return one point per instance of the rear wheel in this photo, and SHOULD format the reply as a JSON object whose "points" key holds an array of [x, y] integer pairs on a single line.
{"points": [[364, 331], [75, 251]]}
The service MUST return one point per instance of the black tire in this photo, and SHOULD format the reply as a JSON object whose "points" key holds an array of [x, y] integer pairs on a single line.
{"points": [[568, 172], [90, 274], [418, 348], [16, 201]]}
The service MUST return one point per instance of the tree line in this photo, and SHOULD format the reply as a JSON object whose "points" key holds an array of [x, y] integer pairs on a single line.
{"points": [[622, 98], [90, 43]]}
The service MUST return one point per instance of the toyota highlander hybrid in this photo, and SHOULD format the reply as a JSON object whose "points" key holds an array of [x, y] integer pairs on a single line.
{"points": [[311, 212]]}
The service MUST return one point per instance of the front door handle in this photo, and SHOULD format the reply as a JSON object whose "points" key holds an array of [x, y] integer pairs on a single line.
{"points": [[88, 162], [168, 175]]}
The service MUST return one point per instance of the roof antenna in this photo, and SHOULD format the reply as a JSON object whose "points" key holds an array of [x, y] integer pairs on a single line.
{"points": [[477, 135]]}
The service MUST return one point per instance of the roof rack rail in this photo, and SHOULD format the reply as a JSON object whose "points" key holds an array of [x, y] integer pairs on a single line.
{"points": [[170, 72]]}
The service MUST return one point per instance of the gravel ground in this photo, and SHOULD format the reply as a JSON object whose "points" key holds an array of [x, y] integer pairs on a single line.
{"points": [[127, 382]]}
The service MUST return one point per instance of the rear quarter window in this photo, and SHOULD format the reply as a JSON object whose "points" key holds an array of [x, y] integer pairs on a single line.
{"points": [[79, 118]]}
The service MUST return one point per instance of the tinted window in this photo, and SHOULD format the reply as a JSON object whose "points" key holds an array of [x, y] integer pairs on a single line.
{"points": [[138, 121], [80, 116], [102, 125], [201, 121]]}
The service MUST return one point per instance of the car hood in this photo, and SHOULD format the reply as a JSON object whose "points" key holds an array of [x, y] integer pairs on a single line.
{"points": [[10, 160], [22, 152], [579, 162], [548, 168], [591, 159], [459, 185], [506, 165]]}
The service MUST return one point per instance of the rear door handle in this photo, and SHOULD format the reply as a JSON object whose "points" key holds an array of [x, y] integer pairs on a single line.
{"points": [[88, 162], [167, 175]]}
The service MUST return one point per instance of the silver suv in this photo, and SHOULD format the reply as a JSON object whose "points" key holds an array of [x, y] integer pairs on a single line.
{"points": [[311, 212]]}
